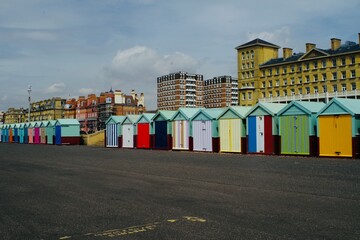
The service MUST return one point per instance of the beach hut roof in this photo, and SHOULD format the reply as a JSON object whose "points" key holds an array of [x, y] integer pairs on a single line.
{"points": [[341, 106], [50, 123], [115, 119], [67, 122], [239, 111], [210, 113], [132, 118], [166, 114], [188, 113], [146, 116], [270, 108], [305, 106]]}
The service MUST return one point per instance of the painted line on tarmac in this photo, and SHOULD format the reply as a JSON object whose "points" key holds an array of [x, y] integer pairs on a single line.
{"points": [[135, 229]]}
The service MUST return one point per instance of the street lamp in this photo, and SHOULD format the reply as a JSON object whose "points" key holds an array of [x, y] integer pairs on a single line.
{"points": [[29, 91]]}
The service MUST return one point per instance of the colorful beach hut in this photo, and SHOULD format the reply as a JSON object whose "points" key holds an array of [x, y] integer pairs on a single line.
{"points": [[37, 132], [339, 128], [11, 132], [67, 131], [298, 128], [26, 133], [262, 128], [128, 129], [162, 129], [232, 129], [21, 132], [113, 131], [50, 132], [181, 128], [1, 132], [144, 130], [205, 130], [31, 132], [43, 125]]}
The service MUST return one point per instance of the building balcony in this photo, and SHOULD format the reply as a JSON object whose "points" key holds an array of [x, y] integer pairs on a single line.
{"points": [[319, 97]]}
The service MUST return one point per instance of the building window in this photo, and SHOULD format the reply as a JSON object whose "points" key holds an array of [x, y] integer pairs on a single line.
{"points": [[323, 63], [270, 83], [307, 90], [300, 91], [353, 86], [315, 65], [285, 93], [343, 75], [334, 88], [263, 84], [316, 90], [292, 68], [292, 92], [343, 87], [343, 61], [324, 88], [252, 54], [242, 55], [300, 80], [284, 82], [324, 76], [263, 73], [292, 81], [307, 79], [307, 66], [284, 70], [352, 60], [353, 73], [249, 95], [333, 62], [277, 94], [277, 70], [334, 76], [277, 83]]}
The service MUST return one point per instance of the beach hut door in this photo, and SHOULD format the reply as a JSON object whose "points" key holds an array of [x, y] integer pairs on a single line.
{"points": [[260, 136]]}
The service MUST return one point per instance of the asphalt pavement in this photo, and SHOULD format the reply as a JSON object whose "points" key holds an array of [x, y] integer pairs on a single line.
{"points": [[80, 192]]}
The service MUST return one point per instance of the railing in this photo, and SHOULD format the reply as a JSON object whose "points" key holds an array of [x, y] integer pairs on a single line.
{"points": [[315, 96]]}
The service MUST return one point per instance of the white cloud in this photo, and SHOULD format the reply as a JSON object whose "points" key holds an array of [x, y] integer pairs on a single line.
{"points": [[280, 36], [86, 91], [56, 88]]}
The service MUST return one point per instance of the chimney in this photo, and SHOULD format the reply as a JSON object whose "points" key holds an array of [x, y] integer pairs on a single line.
{"points": [[335, 43], [310, 46], [287, 52]]}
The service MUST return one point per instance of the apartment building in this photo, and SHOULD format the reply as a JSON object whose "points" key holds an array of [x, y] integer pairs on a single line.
{"points": [[316, 75], [70, 108], [220, 92], [181, 89], [49, 109], [14, 115]]}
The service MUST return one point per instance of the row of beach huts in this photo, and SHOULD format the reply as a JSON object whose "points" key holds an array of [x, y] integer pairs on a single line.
{"points": [[298, 128]]}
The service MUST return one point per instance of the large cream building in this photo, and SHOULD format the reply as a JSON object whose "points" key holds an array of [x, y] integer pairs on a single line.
{"points": [[315, 75]]}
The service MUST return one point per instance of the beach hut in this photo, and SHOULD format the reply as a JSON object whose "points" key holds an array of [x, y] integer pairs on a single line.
{"points": [[162, 129], [21, 132], [43, 125], [67, 131], [298, 128], [1, 132], [37, 132], [232, 129], [25, 133], [50, 131], [11, 132], [113, 131], [128, 130], [31, 132], [339, 128], [262, 128], [144, 130], [181, 128], [205, 130]]}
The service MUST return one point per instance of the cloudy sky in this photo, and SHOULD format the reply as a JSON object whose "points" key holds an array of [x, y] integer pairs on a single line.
{"points": [[76, 47]]}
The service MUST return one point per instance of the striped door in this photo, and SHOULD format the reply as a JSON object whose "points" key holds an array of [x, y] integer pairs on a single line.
{"points": [[181, 135], [230, 135], [43, 135], [111, 135], [128, 136], [202, 136], [260, 139], [295, 134]]}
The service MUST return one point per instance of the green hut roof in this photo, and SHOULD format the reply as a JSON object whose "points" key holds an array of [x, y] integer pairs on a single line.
{"points": [[305, 106], [270, 108], [116, 119], [341, 106]]}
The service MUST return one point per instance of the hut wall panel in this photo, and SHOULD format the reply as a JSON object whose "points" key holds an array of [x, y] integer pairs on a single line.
{"points": [[128, 135], [335, 136], [230, 135], [202, 136], [161, 139], [71, 140], [180, 138], [143, 135], [269, 140], [112, 135]]}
